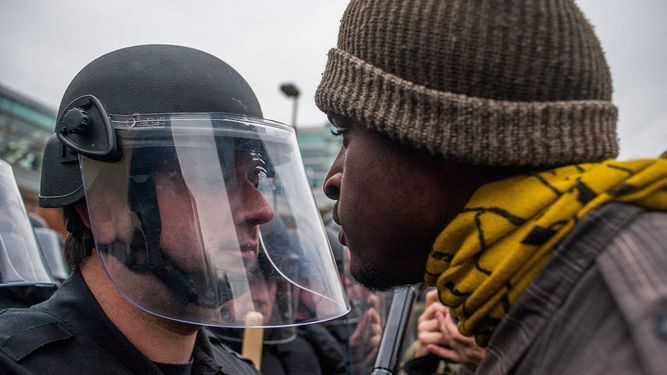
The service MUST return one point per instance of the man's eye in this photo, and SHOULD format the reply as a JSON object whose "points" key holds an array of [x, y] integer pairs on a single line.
{"points": [[337, 132]]}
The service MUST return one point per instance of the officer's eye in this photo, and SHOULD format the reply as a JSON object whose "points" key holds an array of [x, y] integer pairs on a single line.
{"points": [[257, 175], [257, 157]]}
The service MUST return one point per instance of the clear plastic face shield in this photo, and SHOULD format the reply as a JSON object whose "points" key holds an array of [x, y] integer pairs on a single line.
{"points": [[21, 262], [209, 219], [51, 244]]}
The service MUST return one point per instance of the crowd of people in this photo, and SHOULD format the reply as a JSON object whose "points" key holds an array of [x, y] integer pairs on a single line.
{"points": [[477, 157]]}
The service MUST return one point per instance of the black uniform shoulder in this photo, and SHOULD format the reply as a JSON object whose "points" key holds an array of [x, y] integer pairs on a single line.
{"points": [[23, 331]]}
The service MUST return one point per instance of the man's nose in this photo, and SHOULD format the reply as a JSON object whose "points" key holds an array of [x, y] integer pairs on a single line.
{"points": [[334, 178]]}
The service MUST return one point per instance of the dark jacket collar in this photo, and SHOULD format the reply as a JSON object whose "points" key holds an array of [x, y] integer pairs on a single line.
{"points": [[76, 306]]}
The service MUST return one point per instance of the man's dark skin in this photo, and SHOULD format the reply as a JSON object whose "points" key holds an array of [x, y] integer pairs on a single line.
{"points": [[375, 182]]}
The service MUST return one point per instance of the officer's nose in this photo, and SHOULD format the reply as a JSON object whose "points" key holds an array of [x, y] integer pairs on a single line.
{"points": [[252, 208]]}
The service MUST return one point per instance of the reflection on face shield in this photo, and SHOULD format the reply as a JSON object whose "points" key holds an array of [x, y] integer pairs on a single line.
{"points": [[264, 284], [176, 221], [168, 202]]}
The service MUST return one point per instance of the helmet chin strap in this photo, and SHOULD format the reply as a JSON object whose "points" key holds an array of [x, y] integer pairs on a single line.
{"points": [[144, 257]]}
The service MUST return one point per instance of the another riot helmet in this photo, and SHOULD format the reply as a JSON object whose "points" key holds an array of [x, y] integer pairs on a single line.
{"points": [[24, 276], [21, 261]]}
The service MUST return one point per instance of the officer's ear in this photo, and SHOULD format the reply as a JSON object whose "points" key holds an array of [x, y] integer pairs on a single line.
{"points": [[81, 209], [104, 230]]}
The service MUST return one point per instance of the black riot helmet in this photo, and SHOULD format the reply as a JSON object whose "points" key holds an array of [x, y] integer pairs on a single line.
{"points": [[142, 79], [178, 169]]}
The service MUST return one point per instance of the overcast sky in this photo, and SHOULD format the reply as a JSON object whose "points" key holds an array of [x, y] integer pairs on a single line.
{"points": [[43, 44]]}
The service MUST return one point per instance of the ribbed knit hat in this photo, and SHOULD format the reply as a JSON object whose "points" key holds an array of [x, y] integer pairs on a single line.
{"points": [[511, 83]]}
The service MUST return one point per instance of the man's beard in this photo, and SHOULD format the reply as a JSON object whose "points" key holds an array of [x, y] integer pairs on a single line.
{"points": [[377, 280]]}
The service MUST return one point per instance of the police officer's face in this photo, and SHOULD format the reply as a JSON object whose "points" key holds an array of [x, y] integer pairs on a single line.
{"points": [[195, 229]]}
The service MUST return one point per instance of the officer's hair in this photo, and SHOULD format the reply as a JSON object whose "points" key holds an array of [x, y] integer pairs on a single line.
{"points": [[74, 247]]}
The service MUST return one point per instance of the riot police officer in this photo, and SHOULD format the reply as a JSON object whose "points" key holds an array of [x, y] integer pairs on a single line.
{"points": [[165, 169]]}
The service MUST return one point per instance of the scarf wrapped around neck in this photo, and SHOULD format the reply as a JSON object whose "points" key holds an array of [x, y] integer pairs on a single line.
{"points": [[487, 256]]}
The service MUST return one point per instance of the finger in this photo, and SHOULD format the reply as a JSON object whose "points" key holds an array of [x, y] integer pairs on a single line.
{"points": [[428, 326], [474, 354], [372, 323], [374, 315], [464, 340], [442, 324], [427, 338], [365, 332], [448, 313], [373, 301], [376, 326], [375, 341], [450, 321], [427, 314], [361, 328], [430, 311], [454, 333], [432, 296]]}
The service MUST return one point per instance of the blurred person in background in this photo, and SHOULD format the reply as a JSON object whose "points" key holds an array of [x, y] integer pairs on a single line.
{"points": [[301, 350], [359, 332]]}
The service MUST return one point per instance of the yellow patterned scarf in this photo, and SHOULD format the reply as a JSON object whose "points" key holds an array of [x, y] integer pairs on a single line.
{"points": [[489, 253]]}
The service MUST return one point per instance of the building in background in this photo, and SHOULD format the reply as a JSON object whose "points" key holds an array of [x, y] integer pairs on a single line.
{"points": [[25, 126], [318, 150]]}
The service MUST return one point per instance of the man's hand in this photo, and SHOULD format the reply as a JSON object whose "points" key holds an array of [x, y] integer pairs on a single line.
{"points": [[437, 334], [428, 327], [365, 340], [456, 347]]}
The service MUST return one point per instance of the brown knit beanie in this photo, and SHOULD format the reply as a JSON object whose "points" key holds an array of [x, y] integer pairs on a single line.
{"points": [[486, 82]]}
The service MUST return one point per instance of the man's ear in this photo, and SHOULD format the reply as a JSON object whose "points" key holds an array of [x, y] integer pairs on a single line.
{"points": [[82, 210]]}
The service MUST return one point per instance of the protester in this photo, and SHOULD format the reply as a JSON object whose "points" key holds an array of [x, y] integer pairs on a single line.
{"points": [[478, 146]]}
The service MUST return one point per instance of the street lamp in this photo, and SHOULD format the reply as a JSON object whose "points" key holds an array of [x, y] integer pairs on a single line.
{"points": [[291, 91]]}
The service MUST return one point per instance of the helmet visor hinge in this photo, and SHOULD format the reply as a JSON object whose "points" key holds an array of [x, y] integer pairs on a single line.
{"points": [[84, 127]]}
